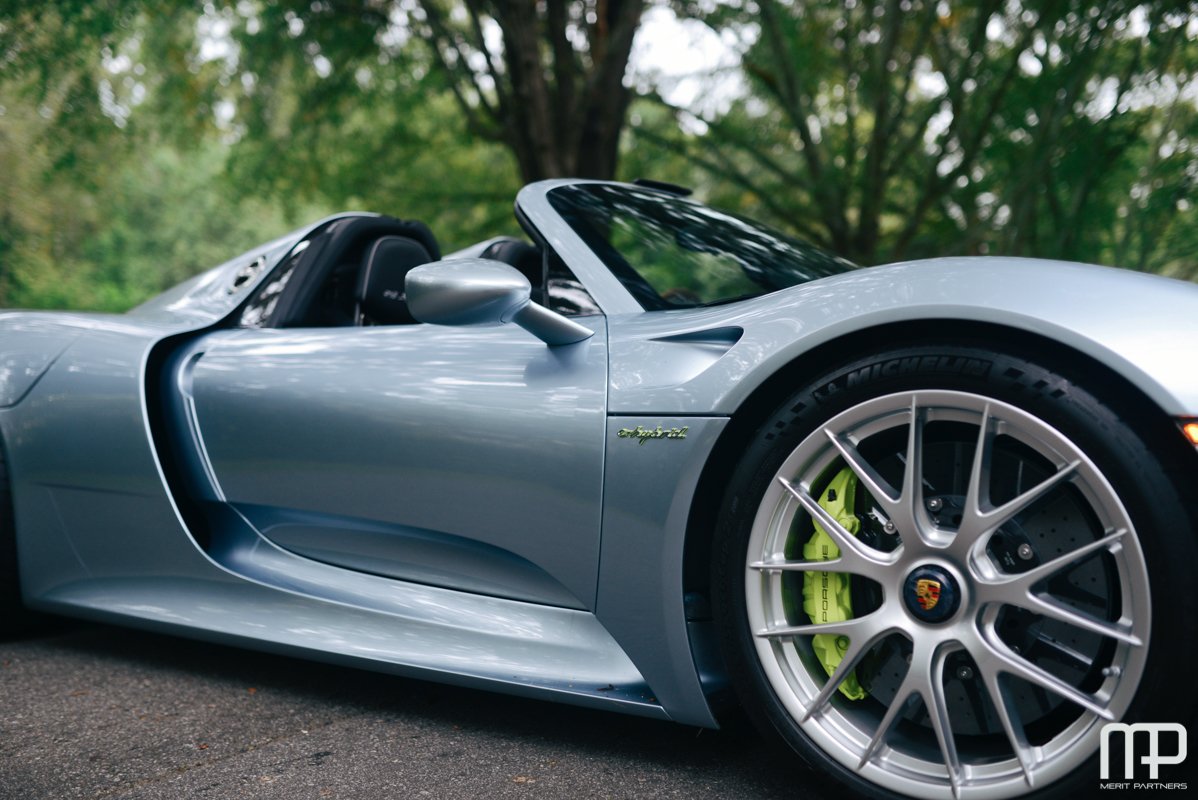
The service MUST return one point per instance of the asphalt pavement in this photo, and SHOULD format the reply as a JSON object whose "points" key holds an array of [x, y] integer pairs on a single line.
{"points": [[92, 711]]}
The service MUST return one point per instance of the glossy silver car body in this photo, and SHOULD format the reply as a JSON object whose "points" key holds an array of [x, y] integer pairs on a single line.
{"points": [[498, 531]]}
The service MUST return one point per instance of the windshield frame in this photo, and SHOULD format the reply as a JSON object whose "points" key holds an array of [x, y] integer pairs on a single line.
{"points": [[616, 285], [542, 222]]}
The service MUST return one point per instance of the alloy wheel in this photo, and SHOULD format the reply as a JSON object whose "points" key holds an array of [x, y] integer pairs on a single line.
{"points": [[1042, 590]]}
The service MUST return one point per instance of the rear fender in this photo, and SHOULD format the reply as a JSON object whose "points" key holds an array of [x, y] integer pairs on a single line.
{"points": [[29, 345]]}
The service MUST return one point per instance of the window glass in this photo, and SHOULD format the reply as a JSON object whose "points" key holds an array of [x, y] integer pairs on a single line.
{"points": [[261, 306], [566, 294], [670, 252]]}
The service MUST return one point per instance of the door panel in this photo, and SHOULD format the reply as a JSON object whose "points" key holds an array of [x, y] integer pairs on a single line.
{"points": [[463, 457]]}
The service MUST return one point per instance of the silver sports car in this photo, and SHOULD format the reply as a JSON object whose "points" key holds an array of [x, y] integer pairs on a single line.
{"points": [[932, 524]]}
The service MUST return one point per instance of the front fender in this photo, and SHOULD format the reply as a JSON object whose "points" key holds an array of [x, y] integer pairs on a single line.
{"points": [[1141, 326]]}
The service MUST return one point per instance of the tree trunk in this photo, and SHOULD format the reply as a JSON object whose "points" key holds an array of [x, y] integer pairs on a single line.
{"points": [[558, 104]]}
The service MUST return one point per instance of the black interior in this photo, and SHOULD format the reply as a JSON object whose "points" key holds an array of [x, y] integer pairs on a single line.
{"points": [[352, 273], [325, 290]]}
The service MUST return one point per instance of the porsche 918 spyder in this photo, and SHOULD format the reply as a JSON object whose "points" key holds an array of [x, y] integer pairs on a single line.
{"points": [[931, 524]]}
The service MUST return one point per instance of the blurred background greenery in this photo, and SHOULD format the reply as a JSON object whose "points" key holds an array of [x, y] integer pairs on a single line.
{"points": [[141, 142]]}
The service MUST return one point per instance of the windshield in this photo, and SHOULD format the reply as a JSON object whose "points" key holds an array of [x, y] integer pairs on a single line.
{"points": [[670, 252]]}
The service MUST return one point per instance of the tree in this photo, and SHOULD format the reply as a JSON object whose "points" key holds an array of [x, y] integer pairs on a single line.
{"points": [[885, 129], [98, 209], [554, 91], [111, 235], [545, 80]]}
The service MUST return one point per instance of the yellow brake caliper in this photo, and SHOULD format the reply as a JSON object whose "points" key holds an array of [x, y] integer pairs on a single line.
{"points": [[827, 596]]}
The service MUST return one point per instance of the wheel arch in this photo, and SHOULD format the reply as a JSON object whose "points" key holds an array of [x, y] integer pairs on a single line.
{"points": [[1080, 367]]}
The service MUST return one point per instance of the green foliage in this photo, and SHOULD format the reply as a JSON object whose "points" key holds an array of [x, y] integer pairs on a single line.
{"points": [[410, 160], [124, 173], [889, 129], [675, 272], [173, 216], [140, 222], [144, 140]]}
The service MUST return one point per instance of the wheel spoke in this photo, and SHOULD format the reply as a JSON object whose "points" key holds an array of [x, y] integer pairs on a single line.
{"points": [[1008, 716], [904, 506], [831, 565], [937, 706], [925, 679], [856, 557], [978, 522], [977, 495], [857, 649], [912, 494], [1016, 590], [850, 563], [1025, 670], [1063, 613], [1024, 581], [879, 488], [902, 699]]}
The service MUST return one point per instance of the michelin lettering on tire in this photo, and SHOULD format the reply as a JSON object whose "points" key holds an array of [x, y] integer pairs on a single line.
{"points": [[896, 367]]}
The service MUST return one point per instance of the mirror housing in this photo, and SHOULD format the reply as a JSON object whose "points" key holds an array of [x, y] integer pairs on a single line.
{"points": [[479, 291]]}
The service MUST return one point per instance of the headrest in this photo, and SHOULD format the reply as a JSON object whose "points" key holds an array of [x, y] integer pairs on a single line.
{"points": [[521, 255], [415, 229], [380, 290]]}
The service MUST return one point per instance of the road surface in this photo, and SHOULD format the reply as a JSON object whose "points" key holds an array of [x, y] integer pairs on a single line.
{"points": [[92, 711]]}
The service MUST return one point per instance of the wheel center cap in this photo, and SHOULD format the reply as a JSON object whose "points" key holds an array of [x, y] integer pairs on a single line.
{"points": [[931, 594]]}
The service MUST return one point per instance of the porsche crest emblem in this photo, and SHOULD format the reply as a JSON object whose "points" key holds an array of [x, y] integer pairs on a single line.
{"points": [[927, 592]]}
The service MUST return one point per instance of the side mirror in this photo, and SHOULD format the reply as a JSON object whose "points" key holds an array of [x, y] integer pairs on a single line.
{"points": [[479, 291]]}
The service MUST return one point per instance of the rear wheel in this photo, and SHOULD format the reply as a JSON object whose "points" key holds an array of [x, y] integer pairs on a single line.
{"points": [[1001, 551], [14, 618]]}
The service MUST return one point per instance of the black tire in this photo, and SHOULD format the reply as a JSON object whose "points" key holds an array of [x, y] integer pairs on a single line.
{"points": [[1137, 452], [14, 617]]}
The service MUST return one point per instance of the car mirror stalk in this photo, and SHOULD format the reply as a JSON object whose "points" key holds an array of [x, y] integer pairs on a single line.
{"points": [[480, 291], [549, 326]]}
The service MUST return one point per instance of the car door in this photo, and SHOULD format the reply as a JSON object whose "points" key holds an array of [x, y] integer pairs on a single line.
{"points": [[469, 458]]}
